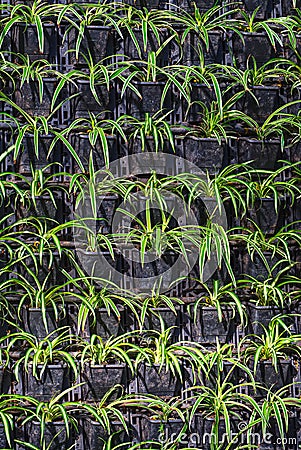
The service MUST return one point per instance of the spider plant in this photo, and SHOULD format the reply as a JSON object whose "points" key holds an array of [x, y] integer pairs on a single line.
{"points": [[85, 289], [277, 407], [79, 17], [223, 402], [36, 293], [150, 22], [34, 126], [55, 410], [98, 351], [39, 184], [270, 185], [202, 23], [220, 297], [218, 119], [157, 300], [106, 410], [149, 72], [38, 354], [157, 349], [153, 126], [248, 23], [276, 71], [97, 129], [231, 183], [26, 71], [10, 405], [276, 343], [37, 13], [269, 292], [279, 124], [258, 243]]}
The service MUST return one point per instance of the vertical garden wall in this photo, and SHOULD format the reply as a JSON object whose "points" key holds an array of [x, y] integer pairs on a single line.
{"points": [[136, 138]]}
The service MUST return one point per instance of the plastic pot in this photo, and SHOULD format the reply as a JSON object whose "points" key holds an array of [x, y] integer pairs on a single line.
{"points": [[27, 97], [25, 41], [85, 103], [34, 324], [107, 325], [267, 376], [44, 208], [95, 436], [207, 328], [152, 380], [83, 149], [199, 93], [255, 45], [27, 156], [54, 432], [155, 430], [202, 5], [97, 43], [268, 98], [150, 100], [206, 153], [256, 267], [100, 378], [264, 153], [260, 316], [193, 46], [132, 53], [264, 215], [55, 379]]}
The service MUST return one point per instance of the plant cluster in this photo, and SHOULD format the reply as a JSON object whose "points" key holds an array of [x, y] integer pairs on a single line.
{"points": [[82, 360]]}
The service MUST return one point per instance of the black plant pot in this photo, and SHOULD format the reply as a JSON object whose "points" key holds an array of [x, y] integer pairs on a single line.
{"points": [[199, 93], [95, 436], [289, 7], [207, 328], [25, 41], [131, 51], [273, 439], [6, 378], [169, 318], [265, 154], [265, 8], [34, 324], [3, 440], [157, 430], [261, 316], [55, 379], [193, 46], [256, 267], [100, 379], [44, 208], [264, 215], [85, 103], [152, 380], [206, 153], [27, 97], [83, 149], [97, 43], [255, 45], [150, 4], [268, 100], [135, 146], [28, 157], [107, 325], [150, 100], [54, 433], [270, 378]]}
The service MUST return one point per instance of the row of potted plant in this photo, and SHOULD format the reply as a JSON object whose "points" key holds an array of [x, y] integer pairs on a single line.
{"points": [[142, 29]]}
